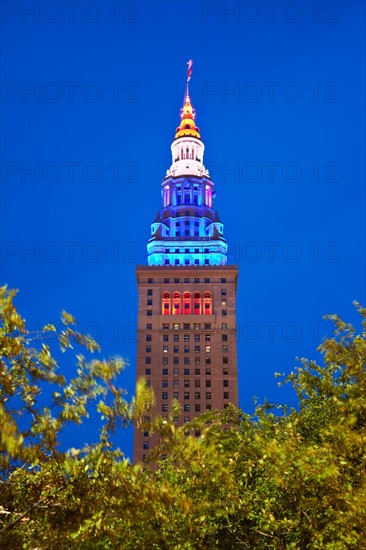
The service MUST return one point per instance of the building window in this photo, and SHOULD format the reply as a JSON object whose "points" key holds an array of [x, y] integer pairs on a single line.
{"points": [[165, 326], [225, 349], [207, 280], [208, 395], [166, 304], [226, 395], [197, 407], [149, 326], [186, 383], [225, 370], [223, 292], [197, 360], [176, 304], [149, 313], [165, 337], [164, 395], [186, 326], [165, 383], [208, 360], [186, 407], [176, 280], [225, 360], [186, 395], [175, 395], [197, 326], [223, 279], [149, 292], [186, 419], [207, 326], [165, 349], [197, 383], [224, 326], [225, 383], [208, 383], [208, 407], [224, 337], [208, 371], [197, 337], [176, 349], [197, 349], [197, 306], [146, 433], [197, 371], [175, 372], [146, 444], [187, 303], [223, 302], [175, 360], [148, 349], [150, 281], [165, 360], [166, 280], [224, 312], [196, 280], [186, 337], [186, 279], [197, 395], [186, 349], [148, 337], [176, 337], [165, 372], [148, 360], [147, 372], [175, 383], [164, 407], [186, 361], [176, 326]]}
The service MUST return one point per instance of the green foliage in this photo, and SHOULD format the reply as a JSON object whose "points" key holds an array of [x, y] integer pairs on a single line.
{"points": [[280, 479]]}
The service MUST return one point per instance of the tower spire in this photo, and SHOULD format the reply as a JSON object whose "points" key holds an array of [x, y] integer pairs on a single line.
{"points": [[187, 126]]}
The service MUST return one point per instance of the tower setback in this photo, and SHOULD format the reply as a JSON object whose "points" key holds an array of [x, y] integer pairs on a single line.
{"points": [[186, 348]]}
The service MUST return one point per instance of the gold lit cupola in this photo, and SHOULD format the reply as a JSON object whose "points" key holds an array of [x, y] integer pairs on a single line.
{"points": [[187, 147], [187, 126]]}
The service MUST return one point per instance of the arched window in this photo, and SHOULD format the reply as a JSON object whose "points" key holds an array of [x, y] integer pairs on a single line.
{"points": [[197, 306], [207, 303], [187, 303], [166, 303], [177, 308]]}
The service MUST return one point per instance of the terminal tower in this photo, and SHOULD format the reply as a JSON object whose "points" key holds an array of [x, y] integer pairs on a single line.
{"points": [[186, 346]]}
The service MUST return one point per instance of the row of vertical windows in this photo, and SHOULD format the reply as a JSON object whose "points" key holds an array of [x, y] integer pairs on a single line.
{"points": [[176, 280], [186, 304], [186, 326], [197, 371], [197, 337]]}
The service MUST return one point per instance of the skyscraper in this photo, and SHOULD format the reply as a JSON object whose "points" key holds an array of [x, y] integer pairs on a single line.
{"points": [[186, 345]]}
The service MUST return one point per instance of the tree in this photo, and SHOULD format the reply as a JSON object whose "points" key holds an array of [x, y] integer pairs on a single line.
{"points": [[279, 479]]}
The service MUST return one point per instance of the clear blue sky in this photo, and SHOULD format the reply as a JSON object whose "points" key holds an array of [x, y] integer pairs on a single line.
{"points": [[279, 94]]}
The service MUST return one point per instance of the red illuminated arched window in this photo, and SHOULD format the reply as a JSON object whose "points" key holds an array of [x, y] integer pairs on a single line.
{"points": [[177, 308], [187, 303], [197, 306], [166, 303], [207, 303]]}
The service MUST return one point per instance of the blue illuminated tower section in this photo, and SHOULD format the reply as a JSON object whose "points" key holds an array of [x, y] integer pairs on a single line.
{"points": [[187, 230]]}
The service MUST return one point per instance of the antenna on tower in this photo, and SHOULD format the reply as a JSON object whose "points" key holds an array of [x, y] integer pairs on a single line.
{"points": [[189, 74]]}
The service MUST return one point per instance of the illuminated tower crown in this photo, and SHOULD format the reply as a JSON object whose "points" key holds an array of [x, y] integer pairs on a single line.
{"points": [[187, 230]]}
